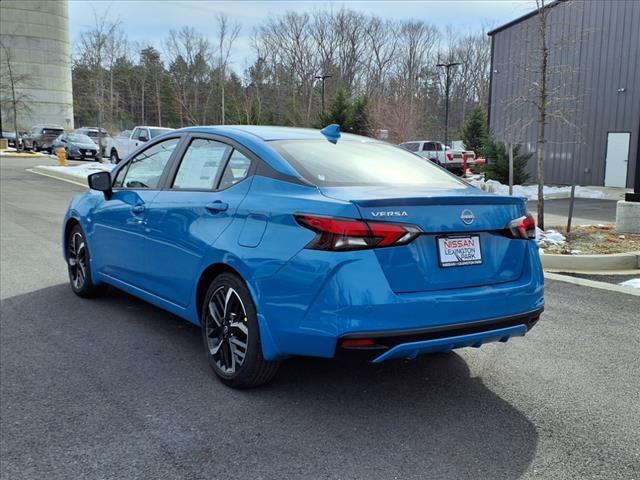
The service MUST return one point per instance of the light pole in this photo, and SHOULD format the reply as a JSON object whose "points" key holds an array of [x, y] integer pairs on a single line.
{"points": [[323, 78], [447, 67]]}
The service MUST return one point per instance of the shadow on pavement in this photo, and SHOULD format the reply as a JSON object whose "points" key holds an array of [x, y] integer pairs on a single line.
{"points": [[115, 383]]}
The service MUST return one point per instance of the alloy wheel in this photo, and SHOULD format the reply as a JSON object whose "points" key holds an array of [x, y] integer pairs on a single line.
{"points": [[226, 329], [77, 260]]}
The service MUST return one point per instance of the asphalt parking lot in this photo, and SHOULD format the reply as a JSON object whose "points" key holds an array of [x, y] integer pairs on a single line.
{"points": [[116, 388]]}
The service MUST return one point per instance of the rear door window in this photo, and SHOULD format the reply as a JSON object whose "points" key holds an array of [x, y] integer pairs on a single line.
{"points": [[412, 147], [201, 165], [236, 170]]}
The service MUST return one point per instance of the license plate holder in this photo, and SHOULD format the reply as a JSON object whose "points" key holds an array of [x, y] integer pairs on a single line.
{"points": [[459, 250]]}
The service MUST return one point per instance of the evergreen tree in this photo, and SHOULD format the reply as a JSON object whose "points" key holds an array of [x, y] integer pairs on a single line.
{"points": [[497, 167], [359, 121], [475, 131], [351, 115]]}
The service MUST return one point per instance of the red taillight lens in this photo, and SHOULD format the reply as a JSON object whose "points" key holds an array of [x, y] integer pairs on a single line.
{"points": [[347, 234], [523, 227], [450, 156], [358, 343]]}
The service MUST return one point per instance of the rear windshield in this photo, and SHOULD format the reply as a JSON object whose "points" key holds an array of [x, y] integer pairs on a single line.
{"points": [[353, 162], [52, 131], [156, 132], [79, 138]]}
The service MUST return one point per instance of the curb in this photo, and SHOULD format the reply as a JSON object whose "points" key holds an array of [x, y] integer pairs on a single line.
{"points": [[34, 155], [591, 263], [583, 282]]}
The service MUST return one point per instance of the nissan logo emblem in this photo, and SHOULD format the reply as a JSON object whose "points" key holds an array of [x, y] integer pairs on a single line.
{"points": [[467, 217]]}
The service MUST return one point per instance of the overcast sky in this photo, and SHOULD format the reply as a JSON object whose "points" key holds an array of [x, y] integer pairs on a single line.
{"points": [[149, 21]]}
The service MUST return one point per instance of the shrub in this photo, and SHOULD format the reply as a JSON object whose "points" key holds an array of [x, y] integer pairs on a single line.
{"points": [[497, 166]]}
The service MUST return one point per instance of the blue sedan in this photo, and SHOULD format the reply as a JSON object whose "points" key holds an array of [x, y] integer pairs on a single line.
{"points": [[281, 242]]}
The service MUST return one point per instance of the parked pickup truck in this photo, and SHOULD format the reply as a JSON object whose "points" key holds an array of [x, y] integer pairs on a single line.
{"points": [[438, 152], [121, 146]]}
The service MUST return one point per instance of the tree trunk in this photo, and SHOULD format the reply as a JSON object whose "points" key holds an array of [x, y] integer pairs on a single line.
{"points": [[158, 102], [542, 119], [142, 112], [222, 107], [13, 101], [540, 158]]}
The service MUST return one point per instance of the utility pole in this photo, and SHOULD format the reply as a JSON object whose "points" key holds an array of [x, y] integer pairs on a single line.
{"points": [[447, 67], [323, 78]]}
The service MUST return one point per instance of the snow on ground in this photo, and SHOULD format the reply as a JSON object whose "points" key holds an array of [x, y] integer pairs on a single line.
{"points": [[633, 283], [531, 191], [81, 172], [548, 238]]}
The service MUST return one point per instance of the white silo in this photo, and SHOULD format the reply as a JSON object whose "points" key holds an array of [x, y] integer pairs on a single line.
{"points": [[35, 34]]}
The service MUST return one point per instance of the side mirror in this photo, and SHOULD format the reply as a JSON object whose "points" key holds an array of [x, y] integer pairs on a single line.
{"points": [[100, 181], [143, 138]]}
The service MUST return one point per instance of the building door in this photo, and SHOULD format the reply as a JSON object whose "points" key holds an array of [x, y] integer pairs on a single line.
{"points": [[617, 159]]}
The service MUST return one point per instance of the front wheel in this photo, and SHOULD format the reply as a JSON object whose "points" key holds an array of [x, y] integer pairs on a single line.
{"points": [[114, 157], [231, 335], [79, 266]]}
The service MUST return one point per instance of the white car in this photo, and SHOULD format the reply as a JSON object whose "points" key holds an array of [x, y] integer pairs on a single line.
{"points": [[121, 146], [438, 152]]}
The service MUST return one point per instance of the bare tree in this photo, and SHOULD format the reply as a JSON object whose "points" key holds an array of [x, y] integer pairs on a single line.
{"points": [[12, 86], [189, 54], [94, 51], [544, 100], [227, 35]]}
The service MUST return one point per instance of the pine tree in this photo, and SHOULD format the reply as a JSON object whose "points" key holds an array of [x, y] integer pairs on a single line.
{"points": [[475, 131], [497, 167], [351, 115]]}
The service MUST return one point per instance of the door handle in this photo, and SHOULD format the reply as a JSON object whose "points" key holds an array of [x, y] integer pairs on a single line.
{"points": [[138, 208], [217, 206]]}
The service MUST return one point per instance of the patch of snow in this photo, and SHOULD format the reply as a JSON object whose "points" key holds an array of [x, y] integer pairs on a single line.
{"points": [[531, 191], [81, 172], [546, 238], [633, 283]]}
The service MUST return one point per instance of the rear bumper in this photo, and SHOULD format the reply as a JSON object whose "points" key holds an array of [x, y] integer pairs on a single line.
{"points": [[412, 350], [410, 344], [310, 306]]}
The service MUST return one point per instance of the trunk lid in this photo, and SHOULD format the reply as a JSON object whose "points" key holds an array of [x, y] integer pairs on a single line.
{"points": [[447, 215]]}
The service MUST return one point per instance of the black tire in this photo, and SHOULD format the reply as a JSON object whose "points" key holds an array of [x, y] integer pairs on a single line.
{"points": [[225, 333], [114, 157], [79, 266]]}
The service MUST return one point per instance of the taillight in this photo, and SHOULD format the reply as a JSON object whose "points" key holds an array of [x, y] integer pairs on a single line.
{"points": [[523, 227], [450, 156], [349, 234]]}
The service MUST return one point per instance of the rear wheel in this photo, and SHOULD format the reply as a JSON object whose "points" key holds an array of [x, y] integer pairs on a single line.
{"points": [[231, 335], [79, 266]]}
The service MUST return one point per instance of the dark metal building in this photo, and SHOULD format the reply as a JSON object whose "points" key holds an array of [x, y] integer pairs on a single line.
{"points": [[594, 85]]}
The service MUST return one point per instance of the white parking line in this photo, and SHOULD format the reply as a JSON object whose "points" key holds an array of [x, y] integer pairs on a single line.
{"points": [[583, 282], [58, 178]]}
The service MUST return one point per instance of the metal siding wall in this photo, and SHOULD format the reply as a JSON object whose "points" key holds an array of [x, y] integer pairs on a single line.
{"points": [[600, 47]]}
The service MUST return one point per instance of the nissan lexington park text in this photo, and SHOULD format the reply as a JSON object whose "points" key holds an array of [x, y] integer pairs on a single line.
{"points": [[284, 241]]}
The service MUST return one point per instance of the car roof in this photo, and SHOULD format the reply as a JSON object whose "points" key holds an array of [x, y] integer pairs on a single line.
{"points": [[271, 133]]}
